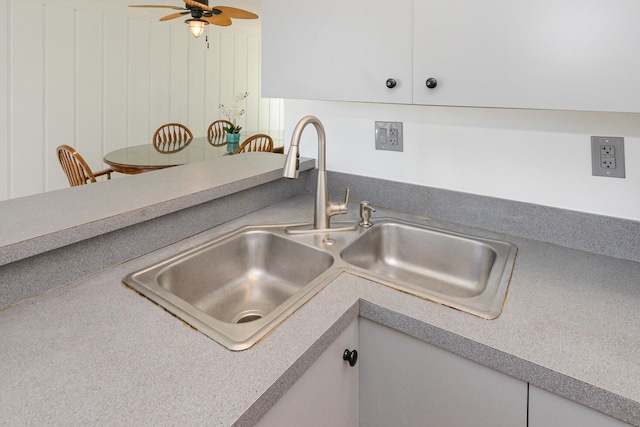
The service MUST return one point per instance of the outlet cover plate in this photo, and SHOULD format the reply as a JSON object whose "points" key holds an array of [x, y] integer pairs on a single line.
{"points": [[607, 156], [389, 136]]}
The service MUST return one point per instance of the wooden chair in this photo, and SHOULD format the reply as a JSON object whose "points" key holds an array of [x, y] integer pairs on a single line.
{"points": [[216, 130], [259, 142], [172, 137], [77, 170]]}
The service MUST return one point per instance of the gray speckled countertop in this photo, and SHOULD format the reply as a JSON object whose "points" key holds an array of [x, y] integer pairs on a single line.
{"points": [[96, 352], [36, 224]]}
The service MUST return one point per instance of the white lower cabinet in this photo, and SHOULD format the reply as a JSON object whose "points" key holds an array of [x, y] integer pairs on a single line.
{"points": [[326, 394], [401, 381], [407, 382], [550, 410]]}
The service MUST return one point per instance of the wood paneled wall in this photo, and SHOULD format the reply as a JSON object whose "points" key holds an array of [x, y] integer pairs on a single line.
{"points": [[99, 78]]}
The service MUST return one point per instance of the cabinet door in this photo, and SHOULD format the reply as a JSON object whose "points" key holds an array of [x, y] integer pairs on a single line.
{"points": [[337, 50], [406, 382], [547, 54], [326, 394], [549, 410]]}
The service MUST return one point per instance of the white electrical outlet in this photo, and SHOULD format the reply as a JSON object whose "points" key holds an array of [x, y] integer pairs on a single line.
{"points": [[607, 156], [389, 136], [393, 136]]}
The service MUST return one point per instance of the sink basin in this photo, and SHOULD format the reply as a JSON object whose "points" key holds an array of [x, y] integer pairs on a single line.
{"points": [[464, 272], [235, 288], [238, 287]]}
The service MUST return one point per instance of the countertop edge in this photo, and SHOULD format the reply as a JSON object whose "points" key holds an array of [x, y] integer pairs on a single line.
{"points": [[269, 398], [578, 391], [94, 222], [555, 382]]}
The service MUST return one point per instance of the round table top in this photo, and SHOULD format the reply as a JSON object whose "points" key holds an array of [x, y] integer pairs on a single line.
{"points": [[143, 158]]}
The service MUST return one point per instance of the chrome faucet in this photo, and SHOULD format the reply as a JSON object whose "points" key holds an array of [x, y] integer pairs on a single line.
{"points": [[324, 209]]}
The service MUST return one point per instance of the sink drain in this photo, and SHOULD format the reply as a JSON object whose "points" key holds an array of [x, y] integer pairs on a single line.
{"points": [[247, 316]]}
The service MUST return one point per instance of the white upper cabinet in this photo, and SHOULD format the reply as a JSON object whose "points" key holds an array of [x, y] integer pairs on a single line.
{"points": [[547, 54], [341, 50]]}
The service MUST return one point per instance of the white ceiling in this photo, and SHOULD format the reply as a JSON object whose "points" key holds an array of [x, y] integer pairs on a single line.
{"points": [[250, 25]]}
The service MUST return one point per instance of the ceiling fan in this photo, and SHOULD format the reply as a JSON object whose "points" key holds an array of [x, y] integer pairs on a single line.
{"points": [[202, 14]]}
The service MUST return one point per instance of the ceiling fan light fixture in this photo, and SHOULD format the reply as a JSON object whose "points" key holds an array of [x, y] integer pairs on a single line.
{"points": [[196, 26]]}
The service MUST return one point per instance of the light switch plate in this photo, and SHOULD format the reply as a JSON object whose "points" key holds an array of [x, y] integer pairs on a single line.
{"points": [[607, 156], [389, 136]]}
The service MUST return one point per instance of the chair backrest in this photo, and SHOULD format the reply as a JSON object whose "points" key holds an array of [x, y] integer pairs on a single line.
{"points": [[74, 166], [216, 129], [259, 142], [171, 137]]}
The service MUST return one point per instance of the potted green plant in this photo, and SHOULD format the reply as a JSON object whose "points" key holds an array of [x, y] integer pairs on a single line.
{"points": [[232, 112]]}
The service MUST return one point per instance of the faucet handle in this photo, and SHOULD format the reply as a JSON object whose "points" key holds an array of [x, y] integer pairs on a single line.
{"points": [[338, 208], [342, 207]]}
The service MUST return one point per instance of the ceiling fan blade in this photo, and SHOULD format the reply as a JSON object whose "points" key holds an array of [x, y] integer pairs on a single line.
{"points": [[173, 16], [158, 6], [198, 4], [232, 12], [221, 20]]}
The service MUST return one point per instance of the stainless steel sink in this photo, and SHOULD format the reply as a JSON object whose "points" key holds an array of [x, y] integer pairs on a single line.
{"points": [[464, 272], [238, 287], [233, 289]]}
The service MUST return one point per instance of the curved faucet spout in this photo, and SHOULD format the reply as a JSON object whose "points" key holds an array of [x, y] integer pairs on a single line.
{"points": [[324, 209], [292, 164]]}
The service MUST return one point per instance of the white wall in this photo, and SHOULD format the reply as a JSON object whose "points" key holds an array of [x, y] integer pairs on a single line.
{"points": [[541, 157], [5, 170], [101, 77]]}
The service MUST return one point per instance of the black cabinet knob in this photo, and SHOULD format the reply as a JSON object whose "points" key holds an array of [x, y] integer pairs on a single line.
{"points": [[391, 83], [350, 356], [431, 83]]}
